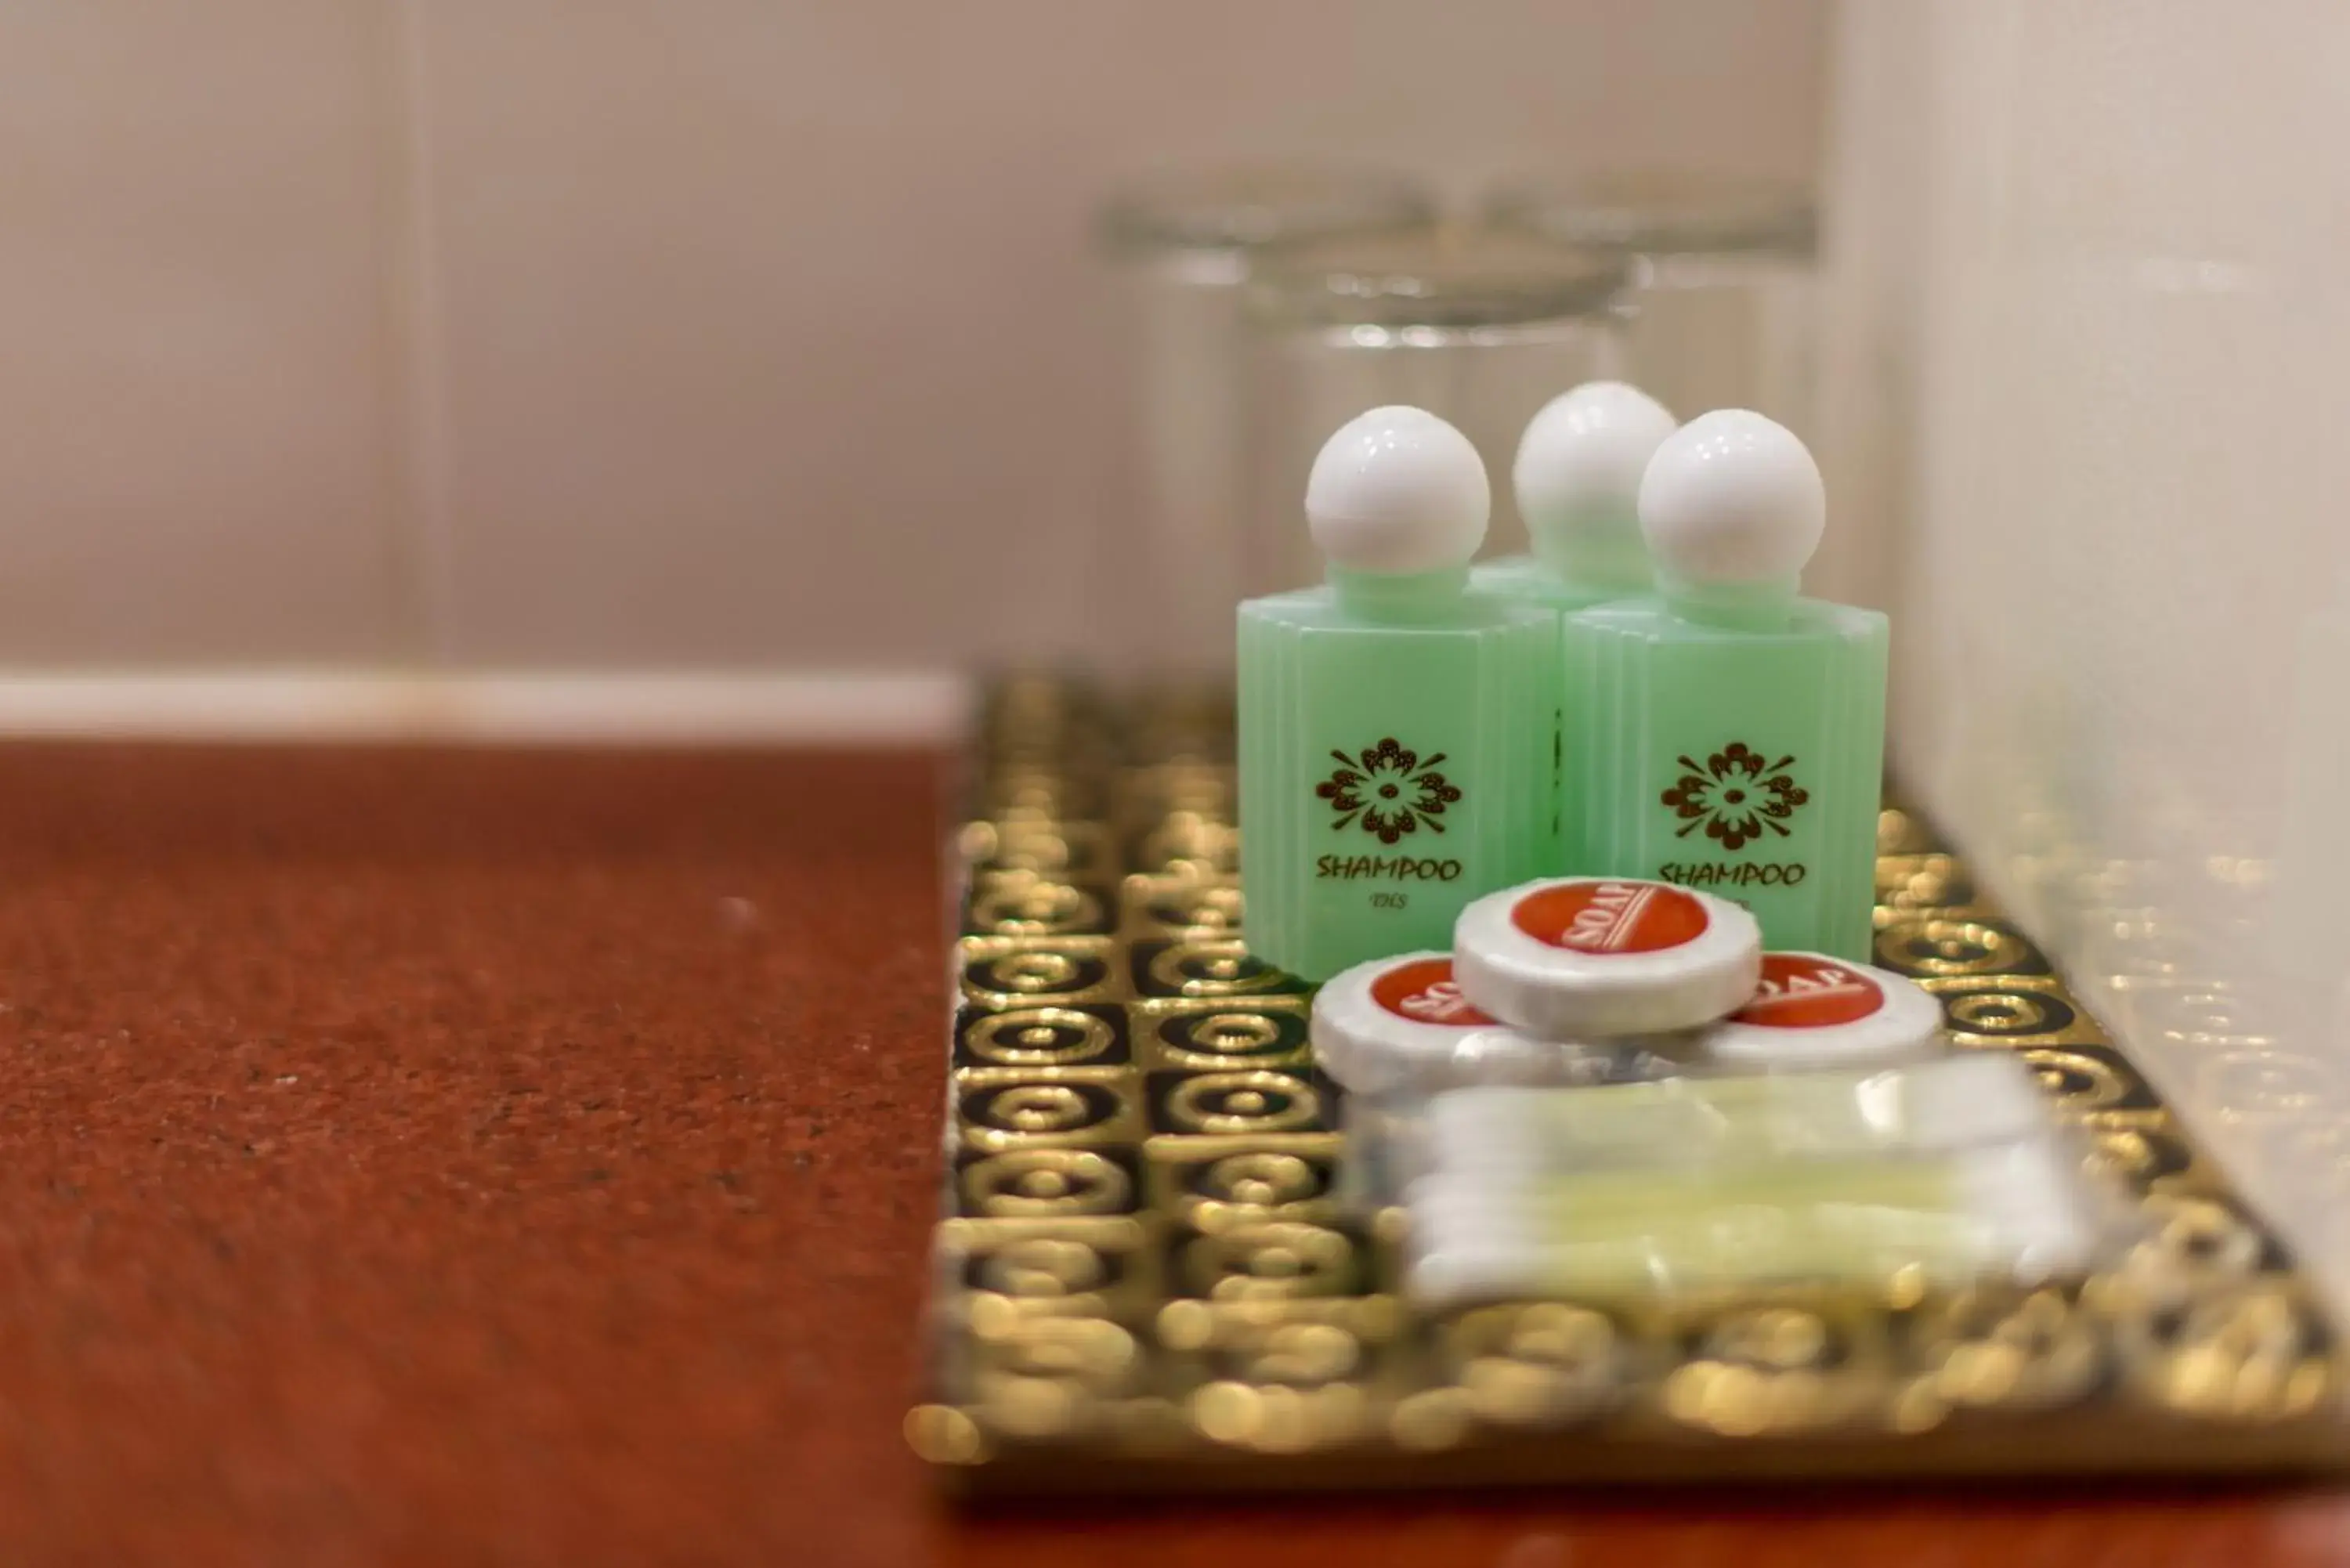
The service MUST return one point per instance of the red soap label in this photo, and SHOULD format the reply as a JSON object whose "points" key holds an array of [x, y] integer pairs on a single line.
{"points": [[1610, 918], [1423, 991], [1802, 993]]}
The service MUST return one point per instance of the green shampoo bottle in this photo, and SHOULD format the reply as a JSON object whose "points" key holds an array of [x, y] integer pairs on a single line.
{"points": [[1727, 734], [1395, 727], [1577, 480]]}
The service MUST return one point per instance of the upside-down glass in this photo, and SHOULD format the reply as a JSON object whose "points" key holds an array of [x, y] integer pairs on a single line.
{"points": [[1722, 308], [1182, 246], [1477, 326]]}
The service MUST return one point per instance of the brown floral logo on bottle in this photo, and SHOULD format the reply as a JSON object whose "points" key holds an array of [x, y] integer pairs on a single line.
{"points": [[1735, 797], [1391, 789]]}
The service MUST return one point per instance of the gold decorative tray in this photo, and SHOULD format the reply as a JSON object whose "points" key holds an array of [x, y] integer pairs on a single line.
{"points": [[1142, 1281]]}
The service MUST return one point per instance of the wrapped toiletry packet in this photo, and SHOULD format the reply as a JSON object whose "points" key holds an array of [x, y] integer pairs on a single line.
{"points": [[1943, 1173], [1395, 1031], [1932, 1107]]}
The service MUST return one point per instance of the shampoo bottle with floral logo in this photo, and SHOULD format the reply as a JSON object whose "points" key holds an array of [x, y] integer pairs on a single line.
{"points": [[1395, 727], [1577, 477], [1727, 734]]}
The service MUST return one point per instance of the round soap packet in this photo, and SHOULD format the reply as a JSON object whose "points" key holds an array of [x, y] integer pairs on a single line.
{"points": [[1813, 1011], [1401, 1023], [1601, 956]]}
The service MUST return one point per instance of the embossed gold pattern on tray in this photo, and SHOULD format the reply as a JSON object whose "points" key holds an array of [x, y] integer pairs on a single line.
{"points": [[1143, 1280]]}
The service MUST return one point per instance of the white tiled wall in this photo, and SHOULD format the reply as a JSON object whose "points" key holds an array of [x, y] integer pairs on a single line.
{"points": [[586, 333], [2108, 248], [195, 374]]}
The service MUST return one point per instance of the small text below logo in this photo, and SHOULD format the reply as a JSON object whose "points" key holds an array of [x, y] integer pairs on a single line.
{"points": [[1751, 873], [1385, 868]]}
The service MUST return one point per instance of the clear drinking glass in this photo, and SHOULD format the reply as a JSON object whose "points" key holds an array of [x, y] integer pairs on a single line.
{"points": [[1722, 306], [1475, 325], [1182, 246]]}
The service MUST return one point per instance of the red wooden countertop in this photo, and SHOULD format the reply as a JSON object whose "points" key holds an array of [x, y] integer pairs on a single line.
{"points": [[450, 1157]]}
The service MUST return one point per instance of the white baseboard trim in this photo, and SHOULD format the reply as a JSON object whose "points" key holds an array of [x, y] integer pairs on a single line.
{"points": [[914, 708]]}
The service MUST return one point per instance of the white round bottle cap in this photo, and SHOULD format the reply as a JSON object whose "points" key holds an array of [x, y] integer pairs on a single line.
{"points": [[1397, 491], [1402, 1024], [1583, 456], [1598, 956], [1813, 1011], [1732, 498]]}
